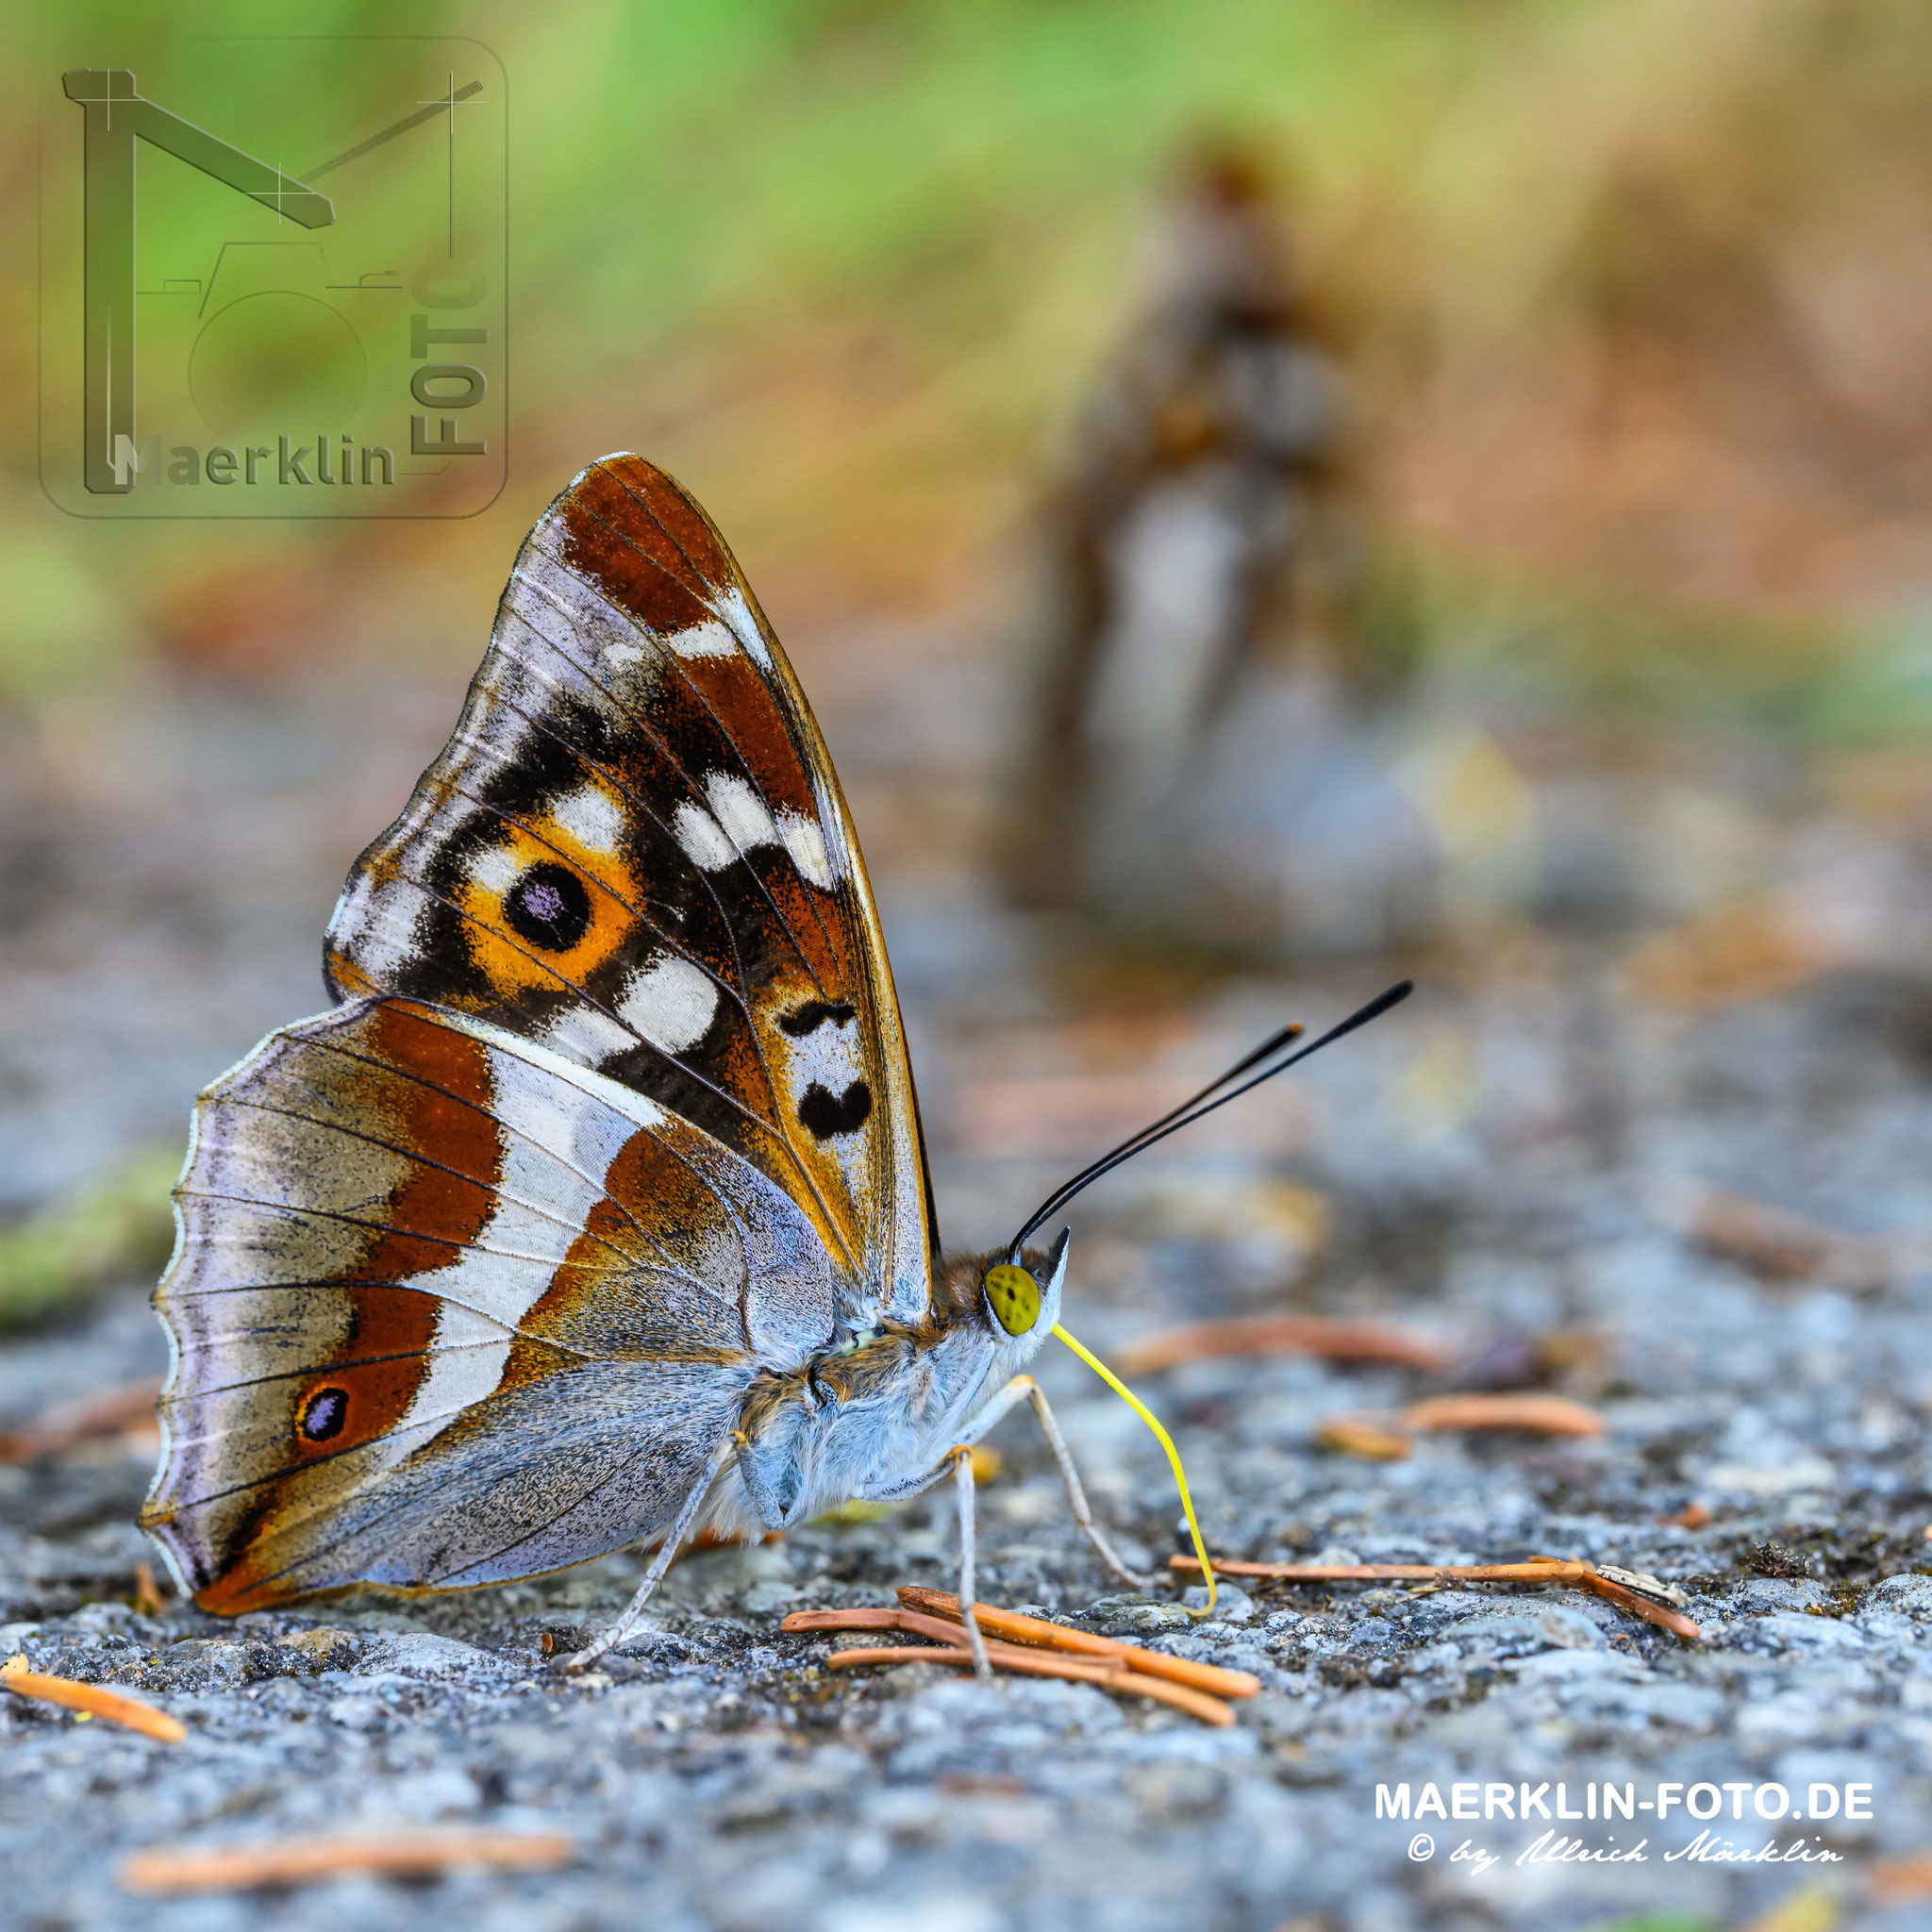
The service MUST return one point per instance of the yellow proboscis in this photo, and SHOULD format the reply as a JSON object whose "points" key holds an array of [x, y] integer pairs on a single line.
{"points": [[1173, 1457]]}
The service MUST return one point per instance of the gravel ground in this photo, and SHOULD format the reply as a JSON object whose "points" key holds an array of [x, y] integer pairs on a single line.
{"points": [[716, 1774], [1504, 1163]]}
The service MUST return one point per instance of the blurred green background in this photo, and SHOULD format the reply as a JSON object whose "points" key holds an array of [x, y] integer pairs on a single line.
{"points": [[1638, 308], [1639, 292]]}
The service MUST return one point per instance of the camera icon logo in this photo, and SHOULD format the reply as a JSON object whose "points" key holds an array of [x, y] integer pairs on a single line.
{"points": [[223, 338]]}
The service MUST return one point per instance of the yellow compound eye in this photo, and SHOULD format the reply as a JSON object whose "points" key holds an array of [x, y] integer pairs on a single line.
{"points": [[1013, 1296]]}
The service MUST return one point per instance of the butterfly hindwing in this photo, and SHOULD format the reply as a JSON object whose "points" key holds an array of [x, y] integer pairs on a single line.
{"points": [[634, 852], [449, 1308]]}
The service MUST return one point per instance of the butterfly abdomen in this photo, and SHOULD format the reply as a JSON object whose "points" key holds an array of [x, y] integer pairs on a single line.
{"points": [[855, 1424]]}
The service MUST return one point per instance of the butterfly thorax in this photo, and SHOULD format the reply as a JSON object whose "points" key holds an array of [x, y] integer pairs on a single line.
{"points": [[874, 1413]]}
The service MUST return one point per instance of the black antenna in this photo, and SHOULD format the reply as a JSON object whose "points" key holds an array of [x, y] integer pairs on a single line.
{"points": [[1068, 1187], [1190, 1111]]}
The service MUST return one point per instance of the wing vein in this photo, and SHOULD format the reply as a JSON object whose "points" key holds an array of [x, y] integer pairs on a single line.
{"points": [[530, 1140], [672, 664], [490, 1187]]}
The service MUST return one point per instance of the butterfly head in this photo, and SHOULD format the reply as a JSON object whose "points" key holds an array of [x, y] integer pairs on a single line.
{"points": [[1021, 1290], [1012, 1285]]}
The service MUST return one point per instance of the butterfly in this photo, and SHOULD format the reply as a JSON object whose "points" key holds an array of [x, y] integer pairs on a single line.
{"points": [[596, 1209]]}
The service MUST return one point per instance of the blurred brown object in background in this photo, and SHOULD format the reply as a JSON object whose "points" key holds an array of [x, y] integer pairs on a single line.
{"points": [[125, 1411], [1203, 541], [1322, 1336], [1208, 440], [1777, 1245]]}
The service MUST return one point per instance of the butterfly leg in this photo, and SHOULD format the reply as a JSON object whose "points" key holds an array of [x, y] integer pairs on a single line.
{"points": [[667, 1554], [962, 1467], [1024, 1389], [1077, 1496], [961, 1456]]}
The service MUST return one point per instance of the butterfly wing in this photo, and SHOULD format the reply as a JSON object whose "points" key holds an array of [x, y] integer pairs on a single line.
{"points": [[474, 1272], [448, 1308], [634, 852]]}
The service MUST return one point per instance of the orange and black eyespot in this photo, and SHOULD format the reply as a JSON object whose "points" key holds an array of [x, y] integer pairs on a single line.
{"points": [[323, 1414], [549, 906]]}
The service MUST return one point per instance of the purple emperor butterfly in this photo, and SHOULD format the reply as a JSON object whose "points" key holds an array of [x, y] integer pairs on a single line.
{"points": [[596, 1210]]}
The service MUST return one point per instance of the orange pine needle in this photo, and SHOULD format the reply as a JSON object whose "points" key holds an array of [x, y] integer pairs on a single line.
{"points": [[302, 1861], [947, 1636], [1210, 1710], [1547, 1572], [1545, 1415], [1385, 1438], [1013, 1657], [95, 1700], [881, 1617], [1638, 1604], [1210, 1678], [1361, 1436], [1197, 1689], [1543, 1569], [148, 1599], [1007, 1656]]}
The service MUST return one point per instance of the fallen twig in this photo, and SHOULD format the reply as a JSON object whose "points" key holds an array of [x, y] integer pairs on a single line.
{"points": [[148, 1599], [1023, 1629], [302, 1860], [881, 1616], [1007, 1657], [1777, 1245], [1355, 1435], [107, 1412], [1316, 1335], [1639, 1603], [1622, 1588], [92, 1700]]}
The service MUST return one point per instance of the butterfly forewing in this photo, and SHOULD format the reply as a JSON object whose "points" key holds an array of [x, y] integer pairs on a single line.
{"points": [[634, 852]]}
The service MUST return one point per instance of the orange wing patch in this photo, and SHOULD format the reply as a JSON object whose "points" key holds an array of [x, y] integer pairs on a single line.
{"points": [[550, 902]]}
